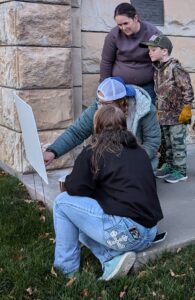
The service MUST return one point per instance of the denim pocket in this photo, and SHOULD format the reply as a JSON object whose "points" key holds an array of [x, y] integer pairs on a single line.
{"points": [[120, 234]]}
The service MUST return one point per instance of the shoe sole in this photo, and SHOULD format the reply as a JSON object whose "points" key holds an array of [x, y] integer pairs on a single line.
{"points": [[162, 176], [123, 266], [177, 180]]}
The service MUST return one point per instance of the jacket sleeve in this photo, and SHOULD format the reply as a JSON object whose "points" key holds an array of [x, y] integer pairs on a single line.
{"points": [[108, 57], [183, 81], [80, 182], [151, 133], [75, 134]]}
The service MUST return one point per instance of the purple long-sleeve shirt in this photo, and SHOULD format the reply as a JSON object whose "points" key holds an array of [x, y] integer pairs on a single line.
{"points": [[123, 56]]}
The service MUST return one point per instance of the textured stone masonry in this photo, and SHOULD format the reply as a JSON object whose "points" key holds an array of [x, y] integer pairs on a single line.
{"points": [[183, 49], [55, 2], [179, 18], [52, 108], [35, 67], [89, 80], [14, 157], [36, 63], [97, 16], [35, 24], [91, 48]]}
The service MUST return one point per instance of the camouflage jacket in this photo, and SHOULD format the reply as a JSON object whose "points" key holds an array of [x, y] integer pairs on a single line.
{"points": [[173, 89]]}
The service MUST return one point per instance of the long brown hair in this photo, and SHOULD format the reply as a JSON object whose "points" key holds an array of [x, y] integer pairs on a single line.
{"points": [[110, 134], [123, 104]]}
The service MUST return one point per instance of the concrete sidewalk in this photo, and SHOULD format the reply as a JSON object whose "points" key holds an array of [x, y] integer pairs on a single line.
{"points": [[178, 205], [177, 201]]}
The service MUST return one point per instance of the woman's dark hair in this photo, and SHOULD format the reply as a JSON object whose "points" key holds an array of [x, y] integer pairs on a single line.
{"points": [[110, 134], [125, 9]]}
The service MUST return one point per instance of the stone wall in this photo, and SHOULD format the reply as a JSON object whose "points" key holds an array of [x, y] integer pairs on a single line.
{"points": [[40, 50], [50, 54]]}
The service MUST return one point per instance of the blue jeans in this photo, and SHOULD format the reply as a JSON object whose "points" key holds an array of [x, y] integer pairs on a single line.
{"points": [[81, 219], [149, 87]]}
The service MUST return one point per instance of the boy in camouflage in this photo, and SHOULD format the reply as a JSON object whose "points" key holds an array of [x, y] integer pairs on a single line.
{"points": [[174, 99]]}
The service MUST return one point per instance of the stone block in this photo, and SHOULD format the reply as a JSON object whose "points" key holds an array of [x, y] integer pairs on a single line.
{"points": [[8, 69], [179, 17], [98, 15], [76, 67], [90, 84], [12, 152], [76, 3], [76, 27], [1, 106], [35, 67], [92, 44], [11, 149], [63, 2], [8, 114], [183, 49], [77, 96], [35, 24], [53, 109]]}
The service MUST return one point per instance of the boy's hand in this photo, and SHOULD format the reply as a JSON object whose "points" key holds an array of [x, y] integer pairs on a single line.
{"points": [[186, 114]]}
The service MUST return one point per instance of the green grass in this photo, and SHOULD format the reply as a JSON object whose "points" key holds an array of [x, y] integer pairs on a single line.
{"points": [[26, 256]]}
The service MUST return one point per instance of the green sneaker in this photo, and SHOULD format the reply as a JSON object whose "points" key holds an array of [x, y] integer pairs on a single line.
{"points": [[119, 266], [176, 176], [164, 171]]}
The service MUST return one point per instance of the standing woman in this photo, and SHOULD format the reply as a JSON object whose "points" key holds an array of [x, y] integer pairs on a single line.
{"points": [[111, 204], [122, 54]]}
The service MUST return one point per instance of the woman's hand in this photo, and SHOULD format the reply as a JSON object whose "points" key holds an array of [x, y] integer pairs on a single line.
{"points": [[48, 157]]}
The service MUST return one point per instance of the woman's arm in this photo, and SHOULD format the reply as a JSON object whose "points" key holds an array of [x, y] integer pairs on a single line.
{"points": [[76, 133]]}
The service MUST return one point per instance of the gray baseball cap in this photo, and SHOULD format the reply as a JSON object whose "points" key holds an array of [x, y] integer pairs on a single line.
{"points": [[161, 41]]}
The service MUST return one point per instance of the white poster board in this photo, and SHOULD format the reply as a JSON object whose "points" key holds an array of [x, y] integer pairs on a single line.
{"points": [[30, 137]]}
